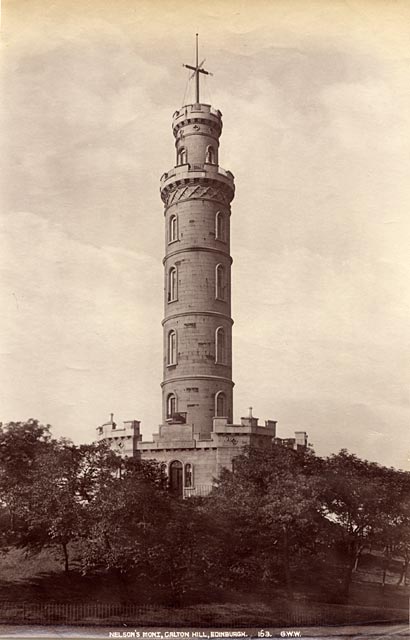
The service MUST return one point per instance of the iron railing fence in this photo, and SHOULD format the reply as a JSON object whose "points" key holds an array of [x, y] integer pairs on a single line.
{"points": [[201, 490], [295, 614]]}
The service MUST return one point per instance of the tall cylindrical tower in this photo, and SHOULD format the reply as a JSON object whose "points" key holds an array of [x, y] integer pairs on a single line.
{"points": [[197, 382]]}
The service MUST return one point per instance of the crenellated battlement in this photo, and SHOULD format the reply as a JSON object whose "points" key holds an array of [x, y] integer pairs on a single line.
{"points": [[122, 438], [197, 114], [201, 181]]}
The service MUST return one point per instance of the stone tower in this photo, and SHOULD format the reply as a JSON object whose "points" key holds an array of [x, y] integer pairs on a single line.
{"points": [[197, 371], [196, 439]]}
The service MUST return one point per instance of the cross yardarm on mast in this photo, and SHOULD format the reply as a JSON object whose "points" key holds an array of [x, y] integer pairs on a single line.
{"points": [[197, 70]]}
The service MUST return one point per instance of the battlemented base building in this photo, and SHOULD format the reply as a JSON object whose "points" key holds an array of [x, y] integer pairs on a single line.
{"points": [[196, 439]]}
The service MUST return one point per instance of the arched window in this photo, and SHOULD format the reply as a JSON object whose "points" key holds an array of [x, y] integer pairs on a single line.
{"points": [[220, 226], [188, 475], [172, 284], [182, 156], [220, 345], [219, 282], [172, 347], [173, 229], [171, 405], [220, 405], [210, 155]]}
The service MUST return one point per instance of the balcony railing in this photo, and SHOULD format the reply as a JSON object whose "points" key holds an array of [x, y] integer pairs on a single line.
{"points": [[183, 168], [195, 108], [200, 490], [177, 418]]}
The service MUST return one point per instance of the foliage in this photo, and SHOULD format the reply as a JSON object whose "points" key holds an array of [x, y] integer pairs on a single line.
{"points": [[357, 496], [278, 518], [21, 443], [271, 500]]}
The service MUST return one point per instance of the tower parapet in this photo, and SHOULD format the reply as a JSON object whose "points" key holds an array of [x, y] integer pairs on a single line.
{"points": [[217, 183]]}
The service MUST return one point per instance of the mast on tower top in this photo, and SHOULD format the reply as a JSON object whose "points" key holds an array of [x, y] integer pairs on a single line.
{"points": [[197, 70]]}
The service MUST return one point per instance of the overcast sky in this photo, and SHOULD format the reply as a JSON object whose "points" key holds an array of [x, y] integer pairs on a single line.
{"points": [[315, 97]]}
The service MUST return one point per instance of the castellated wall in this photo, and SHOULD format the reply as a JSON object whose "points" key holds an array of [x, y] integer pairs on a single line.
{"points": [[207, 457]]}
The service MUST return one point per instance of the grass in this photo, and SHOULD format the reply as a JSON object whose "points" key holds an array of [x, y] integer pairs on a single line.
{"points": [[16, 565]]}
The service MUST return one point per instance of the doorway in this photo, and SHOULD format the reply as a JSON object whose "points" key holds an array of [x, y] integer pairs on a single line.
{"points": [[175, 477]]}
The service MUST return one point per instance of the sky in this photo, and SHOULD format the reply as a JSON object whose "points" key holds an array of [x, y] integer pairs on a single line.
{"points": [[315, 96]]}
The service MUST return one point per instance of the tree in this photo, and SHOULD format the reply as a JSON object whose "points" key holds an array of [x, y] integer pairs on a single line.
{"points": [[356, 497], [46, 484], [127, 515], [21, 443], [392, 527], [65, 479], [272, 499]]}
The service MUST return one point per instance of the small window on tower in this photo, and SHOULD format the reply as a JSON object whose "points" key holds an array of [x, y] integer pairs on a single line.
{"points": [[172, 348], [220, 282], [220, 345], [182, 156], [172, 285], [210, 155], [171, 405], [220, 226], [220, 405], [173, 229]]}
